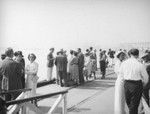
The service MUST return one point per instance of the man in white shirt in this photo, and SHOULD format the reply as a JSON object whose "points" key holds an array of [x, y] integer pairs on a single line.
{"points": [[135, 76]]}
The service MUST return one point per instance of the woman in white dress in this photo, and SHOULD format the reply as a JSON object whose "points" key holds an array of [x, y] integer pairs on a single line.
{"points": [[119, 104], [70, 57], [31, 71], [88, 66]]}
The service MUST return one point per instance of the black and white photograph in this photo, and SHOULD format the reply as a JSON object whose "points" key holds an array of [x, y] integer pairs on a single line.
{"points": [[75, 56]]}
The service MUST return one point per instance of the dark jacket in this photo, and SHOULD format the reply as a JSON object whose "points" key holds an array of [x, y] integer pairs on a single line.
{"points": [[81, 60], [61, 63], [12, 71], [50, 60]]}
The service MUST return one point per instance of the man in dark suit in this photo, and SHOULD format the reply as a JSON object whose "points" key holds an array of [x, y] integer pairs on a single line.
{"points": [[20, 60], [80, 65], [10, 72], [61, 63]]}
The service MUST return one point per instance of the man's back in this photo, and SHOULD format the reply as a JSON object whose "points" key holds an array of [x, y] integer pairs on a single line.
{"points": [[132, 69], [61, 62], [81, 59], [11, 70]]}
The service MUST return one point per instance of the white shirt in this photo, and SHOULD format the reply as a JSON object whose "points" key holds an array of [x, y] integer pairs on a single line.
{"points": [[132, 69]]}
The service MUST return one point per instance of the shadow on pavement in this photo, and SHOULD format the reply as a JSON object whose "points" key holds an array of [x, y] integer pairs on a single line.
{"points": [[97, 84], [77, 110], [45, 109]]}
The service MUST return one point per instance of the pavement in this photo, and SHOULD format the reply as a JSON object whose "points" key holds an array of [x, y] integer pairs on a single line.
{"points": [[101, 103], [93, 97]]}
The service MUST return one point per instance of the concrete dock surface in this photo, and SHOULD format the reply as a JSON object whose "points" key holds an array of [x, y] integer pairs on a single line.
{"points": [[93, 97]]}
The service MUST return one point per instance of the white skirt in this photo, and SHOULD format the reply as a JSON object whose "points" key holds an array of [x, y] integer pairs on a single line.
{"points": [[119, 103]]}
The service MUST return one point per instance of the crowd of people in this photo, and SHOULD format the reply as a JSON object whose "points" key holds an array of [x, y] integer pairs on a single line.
{"points": [[15, 74], [72, 69], [76, 68], [133, 81]]}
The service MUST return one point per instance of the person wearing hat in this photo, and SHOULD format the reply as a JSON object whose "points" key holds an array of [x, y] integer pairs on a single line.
{"points": [[50, 64], [20, 60], [10, 73], [80, 65], [119, 102], [135, 78], [103, 64], [61, 63]]}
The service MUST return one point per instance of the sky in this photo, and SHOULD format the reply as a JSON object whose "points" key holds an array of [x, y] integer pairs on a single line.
{"points": [[73, 23], [37, 25]]}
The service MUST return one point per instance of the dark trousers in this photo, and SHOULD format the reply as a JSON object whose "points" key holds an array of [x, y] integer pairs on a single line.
{"points": [[146, 96], [2, 106], [62, 77], [23, 82], [103, 68], [81, 78], [8, 97], [133, 94]]}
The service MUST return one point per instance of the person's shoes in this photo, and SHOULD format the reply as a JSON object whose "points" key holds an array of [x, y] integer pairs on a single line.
{"points": [[36, 105], [90, 75], [61, 84], [102, 77], [66, 85]]}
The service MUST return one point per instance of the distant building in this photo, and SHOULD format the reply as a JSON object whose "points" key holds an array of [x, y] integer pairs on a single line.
{"points": [[140, 45]]}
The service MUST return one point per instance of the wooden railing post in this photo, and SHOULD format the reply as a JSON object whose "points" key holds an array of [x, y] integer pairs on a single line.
{"points": [[64, 104]]}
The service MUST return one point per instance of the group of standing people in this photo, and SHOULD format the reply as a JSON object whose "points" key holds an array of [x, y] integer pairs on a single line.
{"points": [[15, 74], [73, 67], [133, 81], [77, 66]]}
